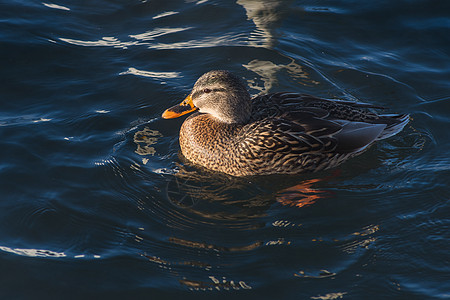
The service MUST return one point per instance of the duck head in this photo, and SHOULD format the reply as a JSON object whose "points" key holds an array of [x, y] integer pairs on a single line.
{"points": [[219, 93]]}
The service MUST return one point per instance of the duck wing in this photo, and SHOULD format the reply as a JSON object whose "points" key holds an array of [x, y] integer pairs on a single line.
{"points": [[280, 146], [302, 132], [283, 146], [285, 136], [280, 103], [292, 106]]}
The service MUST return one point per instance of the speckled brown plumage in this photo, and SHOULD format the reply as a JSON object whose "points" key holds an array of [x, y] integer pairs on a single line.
{"points": [[285, 133]]}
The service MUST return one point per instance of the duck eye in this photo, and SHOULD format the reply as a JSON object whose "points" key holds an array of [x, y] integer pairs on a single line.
{"points": [[206, 91]]}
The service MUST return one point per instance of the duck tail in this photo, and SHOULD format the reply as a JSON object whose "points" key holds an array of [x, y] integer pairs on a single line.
{"points": [[395, 123]]}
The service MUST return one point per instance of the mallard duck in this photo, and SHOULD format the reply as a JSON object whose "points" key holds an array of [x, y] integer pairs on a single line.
{"points": [[278, 133]]}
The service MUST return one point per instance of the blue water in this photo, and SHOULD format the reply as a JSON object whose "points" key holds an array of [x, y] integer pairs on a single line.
{"points": [[96, 203]]}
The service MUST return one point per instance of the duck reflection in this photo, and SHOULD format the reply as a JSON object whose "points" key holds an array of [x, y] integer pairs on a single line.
{"points": [[238, 206], [302, 194], [268, 73], [217, 197], [266, 15], [144, 140], [199, 245], [232, 198], [213, 283]]}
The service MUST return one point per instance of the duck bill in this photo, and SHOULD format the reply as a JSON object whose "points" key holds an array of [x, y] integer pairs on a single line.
{"points": [[181, 109]]}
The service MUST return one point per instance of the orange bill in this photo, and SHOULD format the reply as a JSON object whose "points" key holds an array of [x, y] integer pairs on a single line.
{"points": [[178, 110]]}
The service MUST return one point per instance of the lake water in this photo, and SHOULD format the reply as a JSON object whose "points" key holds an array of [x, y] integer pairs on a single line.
{"points": [[97, 204]]}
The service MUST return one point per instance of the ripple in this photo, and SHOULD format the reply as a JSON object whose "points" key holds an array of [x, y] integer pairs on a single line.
{"points": [[158, 32], [55, 6], [165, 14], [22, 120], [107, 41], [157, 75], [33, 252]]}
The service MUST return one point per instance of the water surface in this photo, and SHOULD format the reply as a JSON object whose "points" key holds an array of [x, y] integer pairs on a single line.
{"points": [[96, 203]]}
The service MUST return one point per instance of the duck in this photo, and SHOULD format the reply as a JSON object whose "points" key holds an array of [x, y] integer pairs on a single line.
{"points": [[275, 133]]}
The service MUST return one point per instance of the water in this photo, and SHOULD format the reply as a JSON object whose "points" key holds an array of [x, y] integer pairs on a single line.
{"points": [[95, 202]]}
